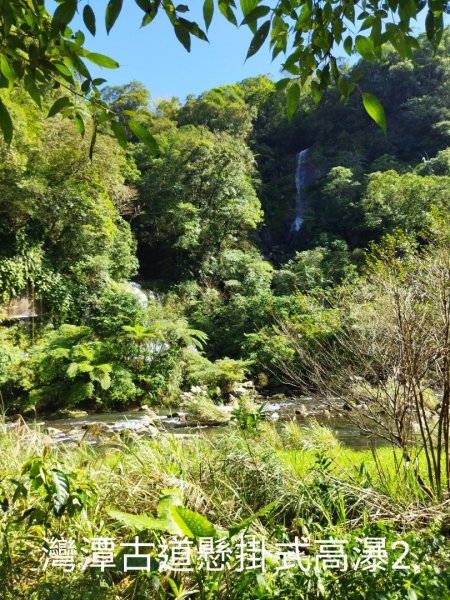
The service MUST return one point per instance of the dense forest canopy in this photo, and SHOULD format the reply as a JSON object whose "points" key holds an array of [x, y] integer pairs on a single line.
{"points": [[211, 221], [276, 284], [41, 50]]}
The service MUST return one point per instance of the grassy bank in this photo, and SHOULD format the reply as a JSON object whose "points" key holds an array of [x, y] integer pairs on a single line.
{"points": [[277, 483]]}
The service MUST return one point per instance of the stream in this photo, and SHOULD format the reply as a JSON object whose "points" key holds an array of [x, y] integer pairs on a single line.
{"points": [[301, 410]]}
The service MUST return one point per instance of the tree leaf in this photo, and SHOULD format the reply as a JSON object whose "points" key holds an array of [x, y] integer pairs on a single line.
{"points": [[89, 19], [102, 60], [79, 123], [64, 13], [145, 5], [62, 69], [144, 136], [7, 70], [429, 26], [282, 84], [208, 11], [112, 12], [257, 13], [93, 139], [293, 98], [62, 487], [375, 109], [5, 123], [183, 35], [364, 46], [434, 26], [59, 105], [226, 10], [32, 89], [258, 39], [348, 45], [193, 28], [119, 133]]}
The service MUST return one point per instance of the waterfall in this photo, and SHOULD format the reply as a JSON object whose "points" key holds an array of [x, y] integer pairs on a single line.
{"points": [[299, 184], [143, 295]]}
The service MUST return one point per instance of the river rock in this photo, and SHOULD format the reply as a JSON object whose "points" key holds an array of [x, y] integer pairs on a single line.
{"points": [[240, 391], [95, 427], [153, 431], [248, 385], [53, 432], [72, 413], [233, 402], [148, 411]]}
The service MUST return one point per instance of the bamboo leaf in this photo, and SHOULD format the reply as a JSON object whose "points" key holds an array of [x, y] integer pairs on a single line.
{"points": [[138, 522], [246, 522]]}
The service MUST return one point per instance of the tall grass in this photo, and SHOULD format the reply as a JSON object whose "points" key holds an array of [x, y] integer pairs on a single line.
{"points": [[314, 484]]}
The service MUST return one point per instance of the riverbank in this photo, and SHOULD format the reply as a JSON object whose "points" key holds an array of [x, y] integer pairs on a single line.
{"points": [[271, 483]]}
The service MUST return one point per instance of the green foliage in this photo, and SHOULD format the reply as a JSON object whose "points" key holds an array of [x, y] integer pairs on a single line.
{"points": [[221, 109], [249, 420], [198, 200], [14, 370], [173, 518], [223, 373], [244, 484], [61, 236], [68, 368], [40, 49], [200, 408], [392, 200]]}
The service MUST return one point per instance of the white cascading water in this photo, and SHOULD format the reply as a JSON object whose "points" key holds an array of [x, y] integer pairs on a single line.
{"points": [[143, 295], [299, 183]]}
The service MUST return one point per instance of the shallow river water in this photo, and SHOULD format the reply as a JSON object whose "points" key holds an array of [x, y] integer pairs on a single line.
{"points": [[302, 410]]}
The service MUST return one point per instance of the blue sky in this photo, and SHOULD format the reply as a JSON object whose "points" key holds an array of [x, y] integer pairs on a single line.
{"points": [[154, 56]]}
